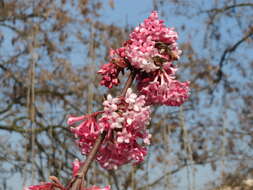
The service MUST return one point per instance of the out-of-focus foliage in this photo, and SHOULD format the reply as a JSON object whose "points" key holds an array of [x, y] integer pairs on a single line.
{"points": [[49, 53]]}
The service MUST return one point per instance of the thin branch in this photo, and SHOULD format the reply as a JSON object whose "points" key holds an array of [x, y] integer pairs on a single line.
{"points": [[6, 109], [227, 51], [115, 179], [79, 182], [220, 10], [14, 29], [162, 177], [128, 83], [23, 17], [14, 128]]}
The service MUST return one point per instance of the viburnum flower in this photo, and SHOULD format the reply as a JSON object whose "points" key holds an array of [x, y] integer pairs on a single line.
{"points": [[42, 186], [161, 87], [124, 120], [111, 70], [110, 74], [86, 132], [150, 52], [150, 43], [98, 188], [75, 167]]}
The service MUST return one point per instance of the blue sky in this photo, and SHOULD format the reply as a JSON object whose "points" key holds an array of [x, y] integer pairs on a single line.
{"points": [[127, 11]]}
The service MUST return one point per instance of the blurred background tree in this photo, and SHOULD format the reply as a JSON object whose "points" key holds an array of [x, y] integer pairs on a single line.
{"points": [[49, 54]]}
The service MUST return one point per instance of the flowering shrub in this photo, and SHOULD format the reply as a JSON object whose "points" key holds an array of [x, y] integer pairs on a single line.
{"points": [[118, 134]]}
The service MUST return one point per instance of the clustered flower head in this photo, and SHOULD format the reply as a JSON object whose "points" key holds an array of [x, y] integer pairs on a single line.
{"points": [[111, 70], [161, 87], [86, 132], [124, 120], [150, 52], [150, 41]]}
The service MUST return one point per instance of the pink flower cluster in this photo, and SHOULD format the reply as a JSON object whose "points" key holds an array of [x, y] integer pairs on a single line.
{"points": [[86, 132], [76, 164], [42, 186], [149, 41], [111, 70], [124, 120], [55, 186], [150, 51], [160, 87]]}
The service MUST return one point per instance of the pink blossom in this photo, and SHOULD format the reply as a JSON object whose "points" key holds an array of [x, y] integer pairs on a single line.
{"points": [[160, 87], [114, 154], [42, 186], [118, 57], [110, 74], [86, 132], [76, 164], [149, 41], [111, 70], [98, 188], [124, 120], [72, 120]]}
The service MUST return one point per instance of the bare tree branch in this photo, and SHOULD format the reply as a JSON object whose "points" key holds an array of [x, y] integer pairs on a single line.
{"points": [[228, 51], [220, 10]]}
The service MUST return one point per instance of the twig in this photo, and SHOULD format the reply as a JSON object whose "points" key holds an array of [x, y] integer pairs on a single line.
{"points": [[224, 56], [220, 10], [231, 49], [128, 83], [79, 181], [115, 179], [162, 177]]}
